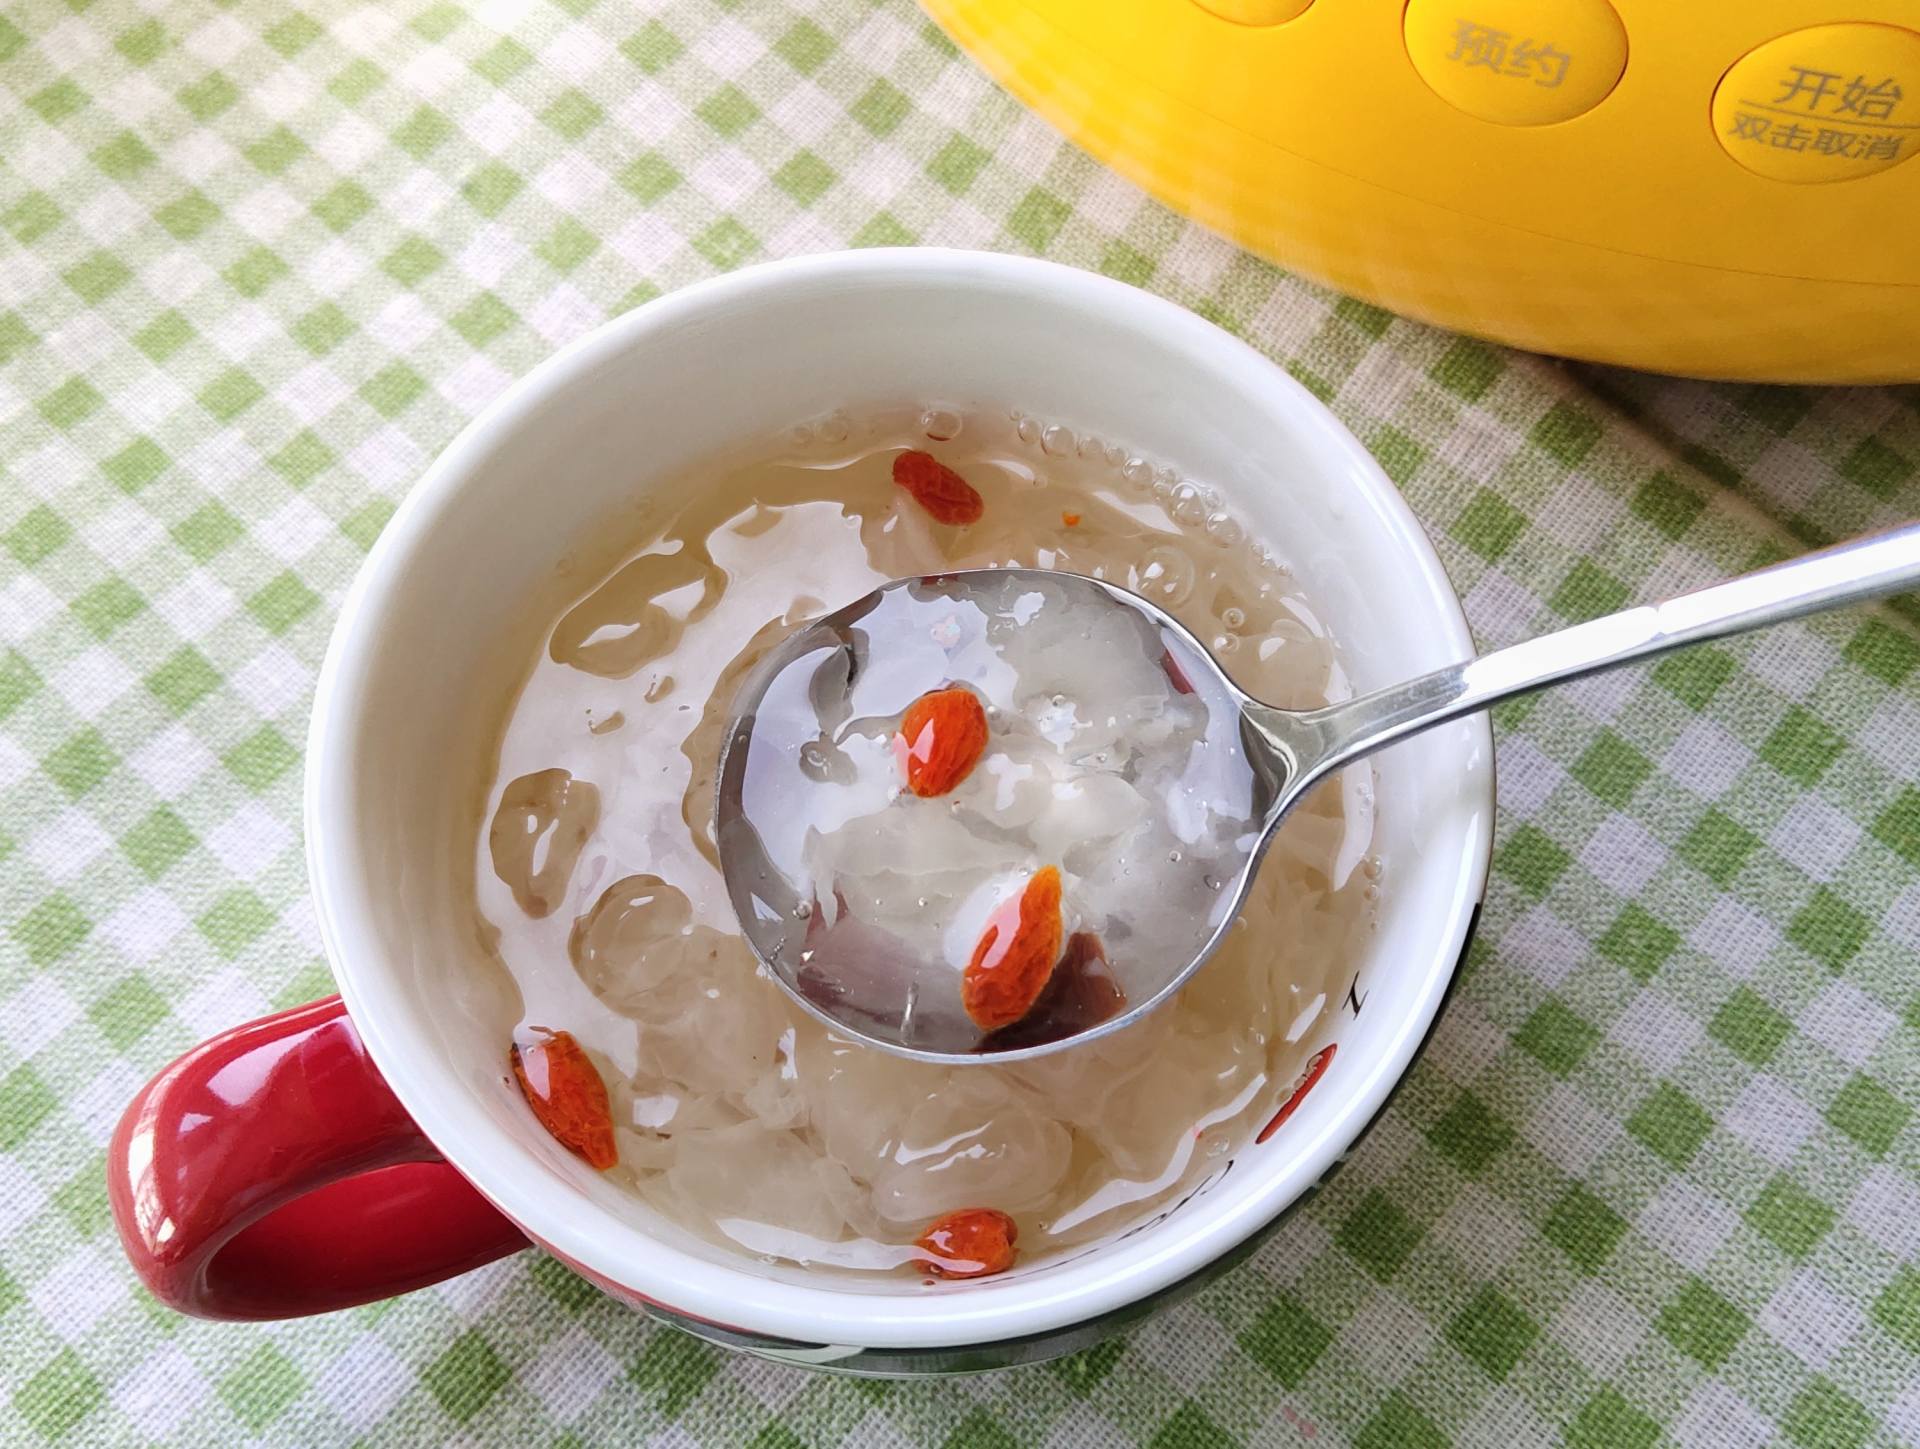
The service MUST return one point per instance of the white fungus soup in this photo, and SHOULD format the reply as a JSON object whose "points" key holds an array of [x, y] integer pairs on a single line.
{"points": [[637, 1024]]}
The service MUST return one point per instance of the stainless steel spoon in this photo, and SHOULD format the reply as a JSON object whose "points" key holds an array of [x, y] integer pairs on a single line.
{"points": [[1286, 752]]}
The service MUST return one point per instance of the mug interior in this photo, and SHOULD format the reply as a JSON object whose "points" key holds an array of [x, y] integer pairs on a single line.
{"points": [[401, 734]]}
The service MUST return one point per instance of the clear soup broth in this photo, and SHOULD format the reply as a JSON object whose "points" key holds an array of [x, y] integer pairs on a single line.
{"points": [[734, 1112]]}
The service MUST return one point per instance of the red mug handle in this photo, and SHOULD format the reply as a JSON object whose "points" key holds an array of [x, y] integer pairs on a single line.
{"points": [[270, 1172]]}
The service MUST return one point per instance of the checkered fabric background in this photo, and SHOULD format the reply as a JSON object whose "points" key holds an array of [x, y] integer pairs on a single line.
{"points": [[1658, 1178]]}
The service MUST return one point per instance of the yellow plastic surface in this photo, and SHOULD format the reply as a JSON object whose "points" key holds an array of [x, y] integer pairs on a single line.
{"points": [[1828, 103], [1626, 234], [1518, 62], [1255, 12]]}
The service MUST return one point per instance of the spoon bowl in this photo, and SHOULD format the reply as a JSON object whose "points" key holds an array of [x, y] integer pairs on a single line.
{"points": [[821, 686], [818, 701]]}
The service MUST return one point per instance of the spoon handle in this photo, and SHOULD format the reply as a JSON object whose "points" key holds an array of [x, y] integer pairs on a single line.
{"points": [[1847, 573]]}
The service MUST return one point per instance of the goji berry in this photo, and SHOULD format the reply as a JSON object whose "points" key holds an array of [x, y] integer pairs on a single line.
{"points": [[567, 1095], [1072, 520], [937, 488], [941, 738], [1176, 676], [1080, 995], [1016, 954], [971, 1243]]}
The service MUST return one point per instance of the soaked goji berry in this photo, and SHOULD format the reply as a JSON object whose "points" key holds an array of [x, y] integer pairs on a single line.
{"points": [[1072, 520], [1014, 960], [937, 488], [972, 1243], [941, 738], [1081, 994], [567, 1095], [1176, 676]]}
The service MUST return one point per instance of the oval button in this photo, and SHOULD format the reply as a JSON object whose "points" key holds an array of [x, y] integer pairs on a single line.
{"points": [[1255, 12], [1518, 62], [1829, 103]]}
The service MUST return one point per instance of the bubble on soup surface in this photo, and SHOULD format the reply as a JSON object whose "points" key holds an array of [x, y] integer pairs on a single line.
{"points": [[1164, 574], [638, 614], [1188, 509], [941, 425], [542, 822]]}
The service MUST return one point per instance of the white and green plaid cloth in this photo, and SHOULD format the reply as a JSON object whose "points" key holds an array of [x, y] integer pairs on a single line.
{"points": [[1657, 1178]]}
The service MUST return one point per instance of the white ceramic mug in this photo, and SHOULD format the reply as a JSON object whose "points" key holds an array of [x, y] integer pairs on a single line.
{"points": [[351, 1158]]}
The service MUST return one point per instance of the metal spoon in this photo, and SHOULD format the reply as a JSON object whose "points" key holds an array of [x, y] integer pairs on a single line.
{"points": [[1284, 753]]}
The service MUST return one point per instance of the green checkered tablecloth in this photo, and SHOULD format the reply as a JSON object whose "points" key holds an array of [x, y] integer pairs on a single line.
{"points": [[1657, 1179]]}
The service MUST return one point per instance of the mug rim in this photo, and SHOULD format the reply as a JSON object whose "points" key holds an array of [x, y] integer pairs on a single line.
{"points": [[734, 1296]]}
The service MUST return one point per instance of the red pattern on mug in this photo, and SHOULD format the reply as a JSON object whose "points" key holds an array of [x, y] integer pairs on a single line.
{"points": [[1316, 1068]]}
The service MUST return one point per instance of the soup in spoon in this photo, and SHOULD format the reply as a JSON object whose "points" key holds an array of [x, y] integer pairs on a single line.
{"points": [[985, 810]]}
